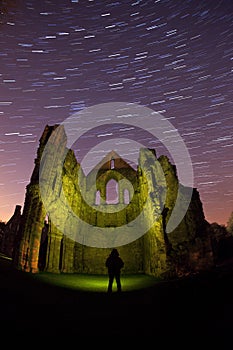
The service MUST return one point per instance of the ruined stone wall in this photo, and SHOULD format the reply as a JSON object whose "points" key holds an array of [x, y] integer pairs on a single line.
{"points": [[91, 259], [152, 189], [9, 235], [190, 246], [26, 255], [70, 195]]}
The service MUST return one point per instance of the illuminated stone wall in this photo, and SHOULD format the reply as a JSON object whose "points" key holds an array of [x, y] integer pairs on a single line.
{"points": [[45, 246]]}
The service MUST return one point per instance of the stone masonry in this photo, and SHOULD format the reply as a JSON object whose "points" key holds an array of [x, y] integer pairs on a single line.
{"points": [[44, 246]]}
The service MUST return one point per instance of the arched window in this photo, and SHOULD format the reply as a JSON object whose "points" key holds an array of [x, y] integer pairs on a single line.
{"points": [[46, 220], [112, 196], [112, 165], [97, 198], [43, 244], [126, 196]]}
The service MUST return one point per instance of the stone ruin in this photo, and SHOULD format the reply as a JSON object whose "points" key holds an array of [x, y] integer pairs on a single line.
{"points": [[9, 232], [39, 245]]}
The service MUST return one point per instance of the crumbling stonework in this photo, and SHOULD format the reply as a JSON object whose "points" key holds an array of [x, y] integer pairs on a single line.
{"points": [[8, 239], [48, 247]]}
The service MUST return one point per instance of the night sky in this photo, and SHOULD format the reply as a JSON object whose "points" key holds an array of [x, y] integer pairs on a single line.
{"points": [[175, 57]]}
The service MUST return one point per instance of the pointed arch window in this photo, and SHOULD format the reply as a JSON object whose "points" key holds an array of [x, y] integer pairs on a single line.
{"points": [[112, 195], [97, 198], [126, 196], [46, 220]]}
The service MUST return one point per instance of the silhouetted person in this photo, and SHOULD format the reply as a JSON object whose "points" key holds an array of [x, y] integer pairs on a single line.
{"points": [[114, 263]]}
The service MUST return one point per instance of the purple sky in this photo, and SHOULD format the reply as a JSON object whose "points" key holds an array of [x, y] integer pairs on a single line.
{"points": [[175, 57]]}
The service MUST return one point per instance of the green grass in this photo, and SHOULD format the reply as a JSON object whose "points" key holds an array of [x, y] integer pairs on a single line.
{"points": [[95, 283], [73, 281]]}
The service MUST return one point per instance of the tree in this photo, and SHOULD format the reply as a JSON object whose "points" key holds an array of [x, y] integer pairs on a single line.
{"points": [[218, 230], [230, 224]]}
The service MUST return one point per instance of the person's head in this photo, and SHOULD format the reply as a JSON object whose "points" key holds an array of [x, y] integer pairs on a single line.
{"points": [[114, 252]]}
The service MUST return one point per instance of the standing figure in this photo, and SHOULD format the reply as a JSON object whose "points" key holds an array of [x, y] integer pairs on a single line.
{"points": [[114, 263]]}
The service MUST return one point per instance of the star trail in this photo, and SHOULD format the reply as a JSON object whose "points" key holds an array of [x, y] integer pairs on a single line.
{"points": [[175, 57]]}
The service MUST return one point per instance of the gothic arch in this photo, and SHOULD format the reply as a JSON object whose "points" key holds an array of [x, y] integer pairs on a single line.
{"points": [[112, 192], [43, 245], [97, 197], [126, 196]]}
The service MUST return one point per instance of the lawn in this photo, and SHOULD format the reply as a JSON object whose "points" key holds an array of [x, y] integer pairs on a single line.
{"points": [[95, 283]]}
